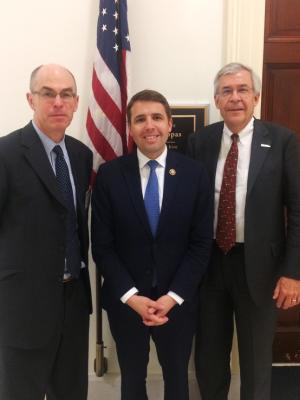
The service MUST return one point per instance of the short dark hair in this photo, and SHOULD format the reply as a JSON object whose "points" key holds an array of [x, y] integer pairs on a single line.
{"points": [[148, 95]]}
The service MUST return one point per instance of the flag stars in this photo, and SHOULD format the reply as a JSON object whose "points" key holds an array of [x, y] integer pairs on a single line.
{"points": [[127, 38], [115, 31], [116, 47], [104, 28], [104, 11], [116, 15]]}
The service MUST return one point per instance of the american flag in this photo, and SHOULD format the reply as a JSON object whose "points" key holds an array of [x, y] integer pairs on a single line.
{"points": [[106, 117]]}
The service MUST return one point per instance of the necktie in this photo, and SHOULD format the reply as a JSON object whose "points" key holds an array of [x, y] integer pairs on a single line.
{"points": [[151, 198], [73, 256], [226, 226]]}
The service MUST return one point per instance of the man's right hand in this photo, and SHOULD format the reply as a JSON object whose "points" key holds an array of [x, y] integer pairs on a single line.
{"points": [[147, 309]]}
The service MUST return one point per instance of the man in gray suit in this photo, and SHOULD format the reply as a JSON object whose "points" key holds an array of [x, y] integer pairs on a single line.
{"points": [[45, 297], [255, 265]]}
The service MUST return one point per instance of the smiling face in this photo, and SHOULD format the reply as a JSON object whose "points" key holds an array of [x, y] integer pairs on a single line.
{"points": [[236, 99], [53, 113], [149, 127]]}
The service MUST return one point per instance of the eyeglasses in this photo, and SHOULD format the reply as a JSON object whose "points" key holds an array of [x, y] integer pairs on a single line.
{"points": [[50, 96], [241, 92]]}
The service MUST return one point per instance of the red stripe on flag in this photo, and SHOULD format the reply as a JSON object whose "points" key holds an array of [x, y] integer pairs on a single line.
{"points": [[123, 89], [100, 143], [106, 103]]}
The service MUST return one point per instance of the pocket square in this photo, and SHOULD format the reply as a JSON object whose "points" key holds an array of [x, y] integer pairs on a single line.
{"points": [[265, 145]]}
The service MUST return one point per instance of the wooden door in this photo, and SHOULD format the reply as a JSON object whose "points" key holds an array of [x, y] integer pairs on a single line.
{"points": [[281, 104]]}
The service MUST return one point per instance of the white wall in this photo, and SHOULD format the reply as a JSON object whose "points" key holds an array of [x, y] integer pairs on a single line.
{"points": [[176, 49]]}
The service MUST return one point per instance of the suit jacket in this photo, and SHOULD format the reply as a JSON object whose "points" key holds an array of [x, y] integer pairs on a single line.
{"points": [[273, 187], [122, 243], [32, 236]]}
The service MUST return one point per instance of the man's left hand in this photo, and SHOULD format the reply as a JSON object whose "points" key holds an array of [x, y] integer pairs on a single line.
{"points": [[287, 292], [166, 303]]}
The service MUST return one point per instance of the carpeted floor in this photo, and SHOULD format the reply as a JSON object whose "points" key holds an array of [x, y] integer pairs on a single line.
{"points": [[286, 383]]}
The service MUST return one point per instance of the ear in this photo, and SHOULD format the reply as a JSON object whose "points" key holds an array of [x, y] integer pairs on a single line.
{"points": [[217, 101], [170, 123], [76, 103], [29, 97], [256, 99]]}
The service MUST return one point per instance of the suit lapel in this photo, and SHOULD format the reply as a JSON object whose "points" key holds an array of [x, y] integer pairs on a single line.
{"points": [[213, 151], [260, 147], [130, 169], [74, 156], [35, 153], [170, 185]]}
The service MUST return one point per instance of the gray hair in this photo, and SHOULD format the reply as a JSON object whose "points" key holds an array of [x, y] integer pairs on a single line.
{"points": [[234, 68]]}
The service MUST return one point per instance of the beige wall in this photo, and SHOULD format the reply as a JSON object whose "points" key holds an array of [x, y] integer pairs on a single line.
{"points": [[177, 47]]}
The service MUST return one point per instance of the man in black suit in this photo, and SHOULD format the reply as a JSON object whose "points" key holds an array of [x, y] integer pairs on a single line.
{"points": [[151, 237], [255, 263], [45, 298]]}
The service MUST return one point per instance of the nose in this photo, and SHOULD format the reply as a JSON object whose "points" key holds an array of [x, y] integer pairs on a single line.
{"points": [[235, 95], [149, 123], [58, 101]]}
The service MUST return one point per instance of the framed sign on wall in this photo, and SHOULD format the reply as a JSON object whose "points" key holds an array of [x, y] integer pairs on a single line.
{"points": [[186, 120]]}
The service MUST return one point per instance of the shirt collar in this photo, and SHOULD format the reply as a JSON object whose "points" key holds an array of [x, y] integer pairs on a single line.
{"points": [[243, 133], [47, 142], [142, 159]]}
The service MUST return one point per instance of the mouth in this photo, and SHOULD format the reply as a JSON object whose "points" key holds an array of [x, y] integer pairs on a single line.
{"points": [[151, 138], [57, 115], [235, 109]]}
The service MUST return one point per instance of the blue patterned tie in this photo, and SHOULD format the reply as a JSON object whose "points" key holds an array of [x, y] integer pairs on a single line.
{"points": [[72, 253], [151, 198]]}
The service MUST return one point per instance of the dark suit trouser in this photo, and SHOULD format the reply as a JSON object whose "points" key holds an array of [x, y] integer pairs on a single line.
{"points": [[58, 369], [225, 296], [173, 343]]}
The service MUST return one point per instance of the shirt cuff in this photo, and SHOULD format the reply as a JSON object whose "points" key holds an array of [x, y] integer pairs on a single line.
{"points": [[128, 294], [177, 298]]}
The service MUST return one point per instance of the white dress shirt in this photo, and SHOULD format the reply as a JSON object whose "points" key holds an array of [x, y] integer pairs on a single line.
{"points": [[144, 174], [244, 148]]}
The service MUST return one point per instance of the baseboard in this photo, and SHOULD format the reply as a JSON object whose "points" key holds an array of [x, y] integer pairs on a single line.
{"points": [[108, 387]]}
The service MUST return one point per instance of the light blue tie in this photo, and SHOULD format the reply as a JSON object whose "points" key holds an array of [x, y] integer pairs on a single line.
{"points": [[151, 198]]}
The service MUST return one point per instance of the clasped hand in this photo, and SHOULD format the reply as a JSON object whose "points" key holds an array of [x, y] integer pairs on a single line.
{"points": [[152, 312]]}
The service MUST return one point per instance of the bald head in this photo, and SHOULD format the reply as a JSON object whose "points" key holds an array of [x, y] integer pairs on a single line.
{"points": [[49, 69]]}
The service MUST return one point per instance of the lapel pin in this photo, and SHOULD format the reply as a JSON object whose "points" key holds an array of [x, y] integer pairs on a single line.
{"points": [[265, 145], [172, 171]]}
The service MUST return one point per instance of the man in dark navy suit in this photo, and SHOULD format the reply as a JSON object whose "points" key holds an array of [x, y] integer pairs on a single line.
{"points": [[151, 237], [45, 297]]}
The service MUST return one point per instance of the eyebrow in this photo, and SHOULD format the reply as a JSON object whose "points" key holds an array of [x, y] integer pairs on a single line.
{"points": [[239, 85], [63, 90], [155, 114]]}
